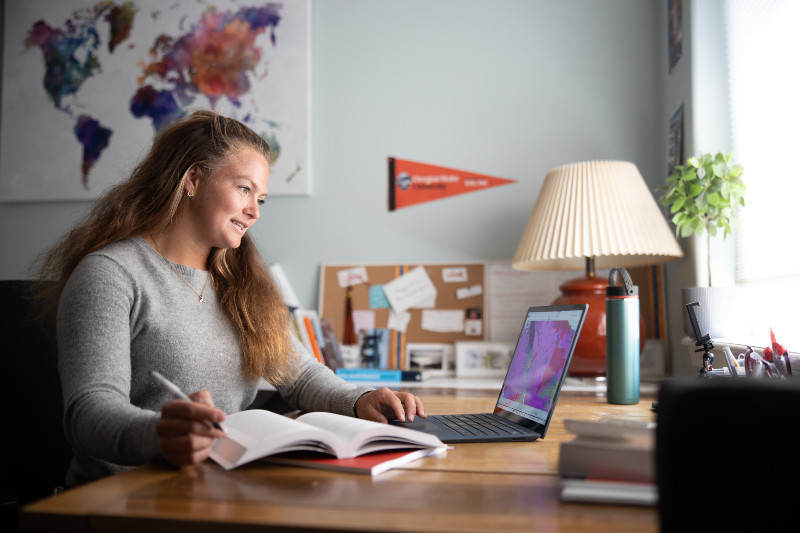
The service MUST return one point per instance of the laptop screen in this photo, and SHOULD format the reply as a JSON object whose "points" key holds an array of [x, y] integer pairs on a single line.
{"points": [[539, 365]]}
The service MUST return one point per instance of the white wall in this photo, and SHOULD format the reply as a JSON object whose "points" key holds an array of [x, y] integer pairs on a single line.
{"points": [[510, 88], [699, 81]]}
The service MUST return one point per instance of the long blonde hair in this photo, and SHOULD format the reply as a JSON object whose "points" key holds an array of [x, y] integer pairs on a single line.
{"points": [[147, 202]]}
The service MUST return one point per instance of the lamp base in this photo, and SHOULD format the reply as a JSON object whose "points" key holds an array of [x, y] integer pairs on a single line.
{"points": [[589, 357]]}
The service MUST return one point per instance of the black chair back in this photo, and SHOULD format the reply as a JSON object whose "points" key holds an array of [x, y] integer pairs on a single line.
{"points": [[34, 453]]}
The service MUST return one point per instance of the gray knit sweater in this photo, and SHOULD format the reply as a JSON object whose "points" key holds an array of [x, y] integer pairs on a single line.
{"points": [[125, 312]]}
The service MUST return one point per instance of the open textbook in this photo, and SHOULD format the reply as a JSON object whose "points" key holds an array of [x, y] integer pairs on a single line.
{"points": [[371, 463], [257, 433]]}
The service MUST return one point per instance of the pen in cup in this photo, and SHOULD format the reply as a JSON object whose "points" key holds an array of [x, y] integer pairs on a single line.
{"points": [[173, 389]]}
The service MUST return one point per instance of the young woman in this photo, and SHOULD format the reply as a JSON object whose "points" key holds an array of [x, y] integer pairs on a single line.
{"points": [[163, 276]]}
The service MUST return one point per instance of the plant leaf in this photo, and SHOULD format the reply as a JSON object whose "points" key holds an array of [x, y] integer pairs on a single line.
{"points": [[698, 227], [677, 204], [701, 202]]}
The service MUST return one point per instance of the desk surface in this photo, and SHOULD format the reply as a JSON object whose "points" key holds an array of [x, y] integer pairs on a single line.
{"points": [[476, 487]]}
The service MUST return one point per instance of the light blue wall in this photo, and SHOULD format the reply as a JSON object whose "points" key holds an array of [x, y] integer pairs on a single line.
{"points": [[510, 88], [699, 81]]}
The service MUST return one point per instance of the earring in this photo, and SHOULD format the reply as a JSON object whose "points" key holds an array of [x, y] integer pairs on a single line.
{"points": [[190, 194]]}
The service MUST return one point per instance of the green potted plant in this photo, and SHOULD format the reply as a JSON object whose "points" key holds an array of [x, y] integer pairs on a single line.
{"points": [[704, 196]]}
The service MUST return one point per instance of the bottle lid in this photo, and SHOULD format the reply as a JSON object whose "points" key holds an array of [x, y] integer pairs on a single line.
{"points": [[627, 289]]}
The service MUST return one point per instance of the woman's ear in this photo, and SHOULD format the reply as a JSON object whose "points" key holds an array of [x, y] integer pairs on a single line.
{"points": [[191, 181]]}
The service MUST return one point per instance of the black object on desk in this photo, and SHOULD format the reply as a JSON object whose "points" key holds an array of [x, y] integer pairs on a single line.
{"points": [[725, 454], [704, 341]]}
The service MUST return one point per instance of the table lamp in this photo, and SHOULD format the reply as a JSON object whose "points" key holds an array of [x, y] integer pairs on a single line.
{"points": [[594, 214]]}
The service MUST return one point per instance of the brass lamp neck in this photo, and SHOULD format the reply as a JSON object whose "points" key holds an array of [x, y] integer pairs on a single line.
{"points": [[590, 267]]}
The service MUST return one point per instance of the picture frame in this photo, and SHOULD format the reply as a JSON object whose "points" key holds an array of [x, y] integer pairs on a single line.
{"points": [[674, 32], [434, 359], [675, 140], [653, 364], [482, 358], [98, 102]]}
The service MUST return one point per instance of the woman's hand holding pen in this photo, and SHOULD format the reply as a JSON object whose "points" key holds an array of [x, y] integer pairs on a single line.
{"points": [[383, 404], [186, 429]]}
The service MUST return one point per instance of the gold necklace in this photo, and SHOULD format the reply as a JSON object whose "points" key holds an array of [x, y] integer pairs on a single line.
{"points": [[169, 264], [200, 294]]}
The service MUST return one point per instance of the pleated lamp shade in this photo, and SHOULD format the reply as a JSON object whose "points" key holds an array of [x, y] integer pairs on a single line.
{"points": [[600, 209], [594, 214]]}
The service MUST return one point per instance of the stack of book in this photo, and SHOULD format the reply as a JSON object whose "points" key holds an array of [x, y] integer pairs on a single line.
{"points": [[317, 336], [314, 333], [610, 460]]}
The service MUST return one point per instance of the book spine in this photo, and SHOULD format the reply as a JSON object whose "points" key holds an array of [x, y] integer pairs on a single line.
{"points": [[312, 338], [374, 374], [331, 353], [301, 329], [606, 463]]}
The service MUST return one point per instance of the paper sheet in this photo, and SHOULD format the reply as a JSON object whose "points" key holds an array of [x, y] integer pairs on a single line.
{"points": [[413, 289], [377, 298], [443, 321], [398, 321], [511, 292], [363, 320], [467, 292], [454, 275], [352, 276]]}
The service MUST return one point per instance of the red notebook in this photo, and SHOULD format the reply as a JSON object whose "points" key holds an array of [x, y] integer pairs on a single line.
{"points": [[371, 463]]}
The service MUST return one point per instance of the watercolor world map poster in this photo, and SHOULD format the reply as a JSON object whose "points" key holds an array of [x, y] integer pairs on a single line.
{"points": [[88, 84]]}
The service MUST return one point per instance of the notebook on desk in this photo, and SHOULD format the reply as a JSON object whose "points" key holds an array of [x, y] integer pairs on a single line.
{"points": [[530, 390]]}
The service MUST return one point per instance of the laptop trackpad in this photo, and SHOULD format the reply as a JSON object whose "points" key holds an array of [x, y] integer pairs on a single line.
{"points": [[429, 426], [420, 424]]}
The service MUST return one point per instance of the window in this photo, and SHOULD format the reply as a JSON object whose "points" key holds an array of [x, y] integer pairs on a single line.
{"points": [[763, 47]]}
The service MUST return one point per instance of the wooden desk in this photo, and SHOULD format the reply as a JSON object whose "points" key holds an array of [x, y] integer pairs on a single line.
{"points": [[477, 487]]}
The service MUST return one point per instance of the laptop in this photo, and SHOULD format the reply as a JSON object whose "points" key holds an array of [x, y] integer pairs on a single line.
{"points": [[531, 386]]}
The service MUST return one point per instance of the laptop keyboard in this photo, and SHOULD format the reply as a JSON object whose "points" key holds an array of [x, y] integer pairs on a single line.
{"points": [[480, 424]]}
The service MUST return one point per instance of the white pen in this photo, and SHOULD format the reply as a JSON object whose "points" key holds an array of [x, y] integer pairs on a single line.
{"points": [[173, 389]]}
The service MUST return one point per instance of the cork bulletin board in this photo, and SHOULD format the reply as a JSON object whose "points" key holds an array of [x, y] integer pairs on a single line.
{"points": [[505, 295], [333, 296]]}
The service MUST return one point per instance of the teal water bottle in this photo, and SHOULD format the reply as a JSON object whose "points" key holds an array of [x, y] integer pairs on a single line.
{"points": [[622, 339]]}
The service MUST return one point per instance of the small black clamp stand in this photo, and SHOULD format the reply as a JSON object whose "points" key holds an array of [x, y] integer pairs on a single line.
{"points": [[708, 357], [705, 343]]}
